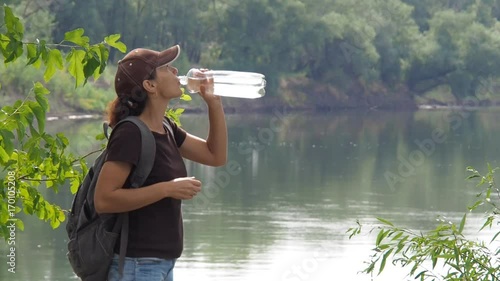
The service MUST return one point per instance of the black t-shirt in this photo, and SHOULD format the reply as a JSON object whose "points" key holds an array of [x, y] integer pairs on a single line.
{"points": [[154, 230]]}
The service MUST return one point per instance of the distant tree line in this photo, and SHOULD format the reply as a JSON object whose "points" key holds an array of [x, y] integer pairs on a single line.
{"points": [[417, 44]]}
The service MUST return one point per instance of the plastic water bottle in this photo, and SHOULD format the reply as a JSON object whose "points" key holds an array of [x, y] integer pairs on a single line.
{"points": [[237, 84]]}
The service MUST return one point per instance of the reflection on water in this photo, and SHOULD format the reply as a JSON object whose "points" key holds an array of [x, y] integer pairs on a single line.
{"points": [[294, 184]]}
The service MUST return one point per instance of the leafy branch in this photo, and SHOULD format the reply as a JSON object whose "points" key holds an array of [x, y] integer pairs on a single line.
{"points": [[459, 258], [30, 155]]}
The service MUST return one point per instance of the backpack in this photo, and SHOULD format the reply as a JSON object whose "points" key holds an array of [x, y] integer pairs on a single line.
{"points": [[92, 237]]}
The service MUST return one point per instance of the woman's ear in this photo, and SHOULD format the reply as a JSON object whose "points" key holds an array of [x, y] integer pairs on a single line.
{"points": [[149, 85]]}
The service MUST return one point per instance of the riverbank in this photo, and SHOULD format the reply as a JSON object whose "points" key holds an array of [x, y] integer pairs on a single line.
{"points": [[259, 106], [300, 94]]}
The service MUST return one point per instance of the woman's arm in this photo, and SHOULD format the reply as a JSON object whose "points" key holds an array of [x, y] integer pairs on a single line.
{"points": [[213, 150], [110, 197]]}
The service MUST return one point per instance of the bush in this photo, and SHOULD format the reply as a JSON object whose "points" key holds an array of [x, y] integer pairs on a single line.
{"points": [[458, 257]]}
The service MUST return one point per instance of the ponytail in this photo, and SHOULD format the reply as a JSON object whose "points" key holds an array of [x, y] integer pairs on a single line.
{"points": [[130, 103], [123, 106]]}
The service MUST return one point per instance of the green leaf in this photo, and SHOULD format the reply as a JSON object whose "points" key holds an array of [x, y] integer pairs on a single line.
{"points": [[75, 183], [54, 61], [39, 114], [186, 97], [28, 209], [472, 177], [380, 237], [495, 237], [55, 223], [434, 261], [383, 247], [60, 215], [49, 139], [13, 49], [24, 193], [40, 89], [462, 224], [384, 259], [104, 55], [457, 254], [41, 51], [19, 224], [421, 275], [21, 124], [112, 40], [7, 139], [41, 213], [477, 204], [384, 221], [50, 211], [97, 54], [488, 222], [397, 236], [4, 41], [76, 36], [40, 93], [33, 54], [63, 140], [75, 60], [4, 157], [91, 67], [12, 22], [470, 169], [4, 216]]}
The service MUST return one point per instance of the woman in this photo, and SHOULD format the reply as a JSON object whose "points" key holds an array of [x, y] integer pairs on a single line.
{"points": [[145, 82]]}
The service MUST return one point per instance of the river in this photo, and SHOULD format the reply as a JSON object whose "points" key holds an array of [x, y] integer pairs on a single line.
{"points": [[294, 184]]}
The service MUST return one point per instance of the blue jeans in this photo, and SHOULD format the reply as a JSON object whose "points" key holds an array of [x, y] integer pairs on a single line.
{"points": [[142, 269]]}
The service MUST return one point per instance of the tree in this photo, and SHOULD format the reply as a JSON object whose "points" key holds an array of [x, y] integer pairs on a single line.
{"points": [[29, 156], [460, 52], [263, 36]]}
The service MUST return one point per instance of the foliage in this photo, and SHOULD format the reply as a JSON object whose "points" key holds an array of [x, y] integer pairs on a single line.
{"points": [[458, 257], [17, 79], [30, 157], [353, 45]]}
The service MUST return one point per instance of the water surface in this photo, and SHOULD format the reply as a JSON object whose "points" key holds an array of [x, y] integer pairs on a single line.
{"points": [[293, 185]]}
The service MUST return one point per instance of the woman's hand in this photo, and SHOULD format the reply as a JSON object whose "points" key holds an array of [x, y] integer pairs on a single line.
{"points": [[183, 188], [207, 89]]}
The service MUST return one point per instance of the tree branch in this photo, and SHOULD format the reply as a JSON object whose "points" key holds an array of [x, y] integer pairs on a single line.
{"points": [[86, 155], [25, 178]]}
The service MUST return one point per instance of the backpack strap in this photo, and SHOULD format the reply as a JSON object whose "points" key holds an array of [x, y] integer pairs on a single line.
{"points": [[137, 178], [166, 125], [105, 128], [148, 152]]}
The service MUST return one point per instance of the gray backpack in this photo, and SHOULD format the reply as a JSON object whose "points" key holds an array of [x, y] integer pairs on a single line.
{"points": [[92, 237]]}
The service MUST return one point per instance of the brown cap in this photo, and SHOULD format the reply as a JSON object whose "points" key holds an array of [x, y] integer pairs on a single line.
{"points": [[139, 64]]}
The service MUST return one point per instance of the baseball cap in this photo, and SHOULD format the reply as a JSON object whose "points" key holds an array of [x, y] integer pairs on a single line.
{"points": [[139, 64]]}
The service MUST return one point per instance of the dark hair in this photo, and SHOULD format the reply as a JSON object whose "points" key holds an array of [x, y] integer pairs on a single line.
{"points": [[130, 103]]}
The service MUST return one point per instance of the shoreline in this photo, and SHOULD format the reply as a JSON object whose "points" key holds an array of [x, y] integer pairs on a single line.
{"points": [[270, 109]]}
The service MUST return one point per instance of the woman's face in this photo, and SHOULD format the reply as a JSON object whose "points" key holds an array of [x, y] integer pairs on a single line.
{"points": [[168, 83]]}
